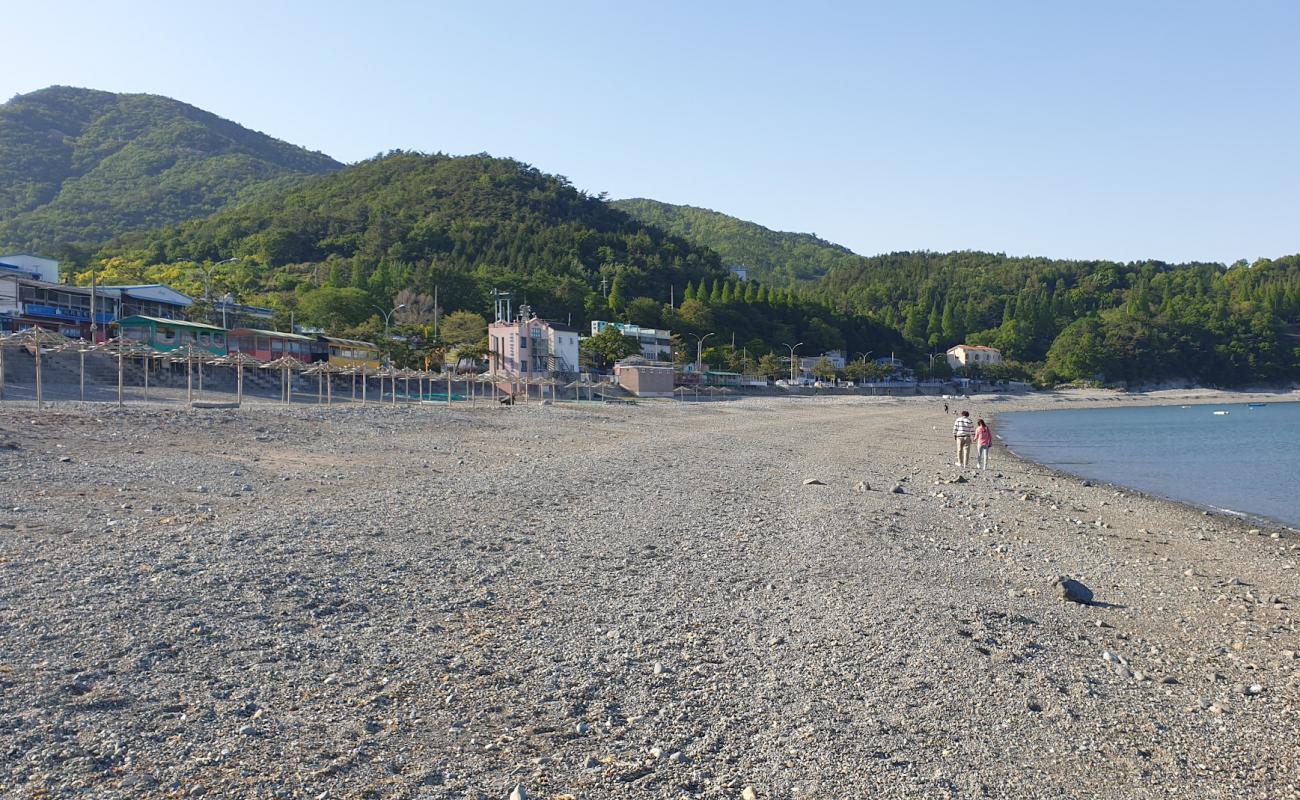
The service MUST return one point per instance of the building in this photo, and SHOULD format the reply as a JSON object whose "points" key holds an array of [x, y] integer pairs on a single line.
{"points": [[966, 355], [530, 347], [835, 357], [149, 300], [645, 378], [741, 272], [352, 352], [270, 345], [36, 267], [656, 344], [27, 302], [165, 335]]}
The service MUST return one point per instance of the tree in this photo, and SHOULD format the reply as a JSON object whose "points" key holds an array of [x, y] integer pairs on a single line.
{"points": [[770, 366], [610, 345], [334, 309], [617, 295], [824, 369], [418, 307], [463, 327], [644, 311]]}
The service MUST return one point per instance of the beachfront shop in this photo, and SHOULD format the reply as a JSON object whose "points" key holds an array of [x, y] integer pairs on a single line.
{"points": [[165, 335], [270, 345], [352, 352]]}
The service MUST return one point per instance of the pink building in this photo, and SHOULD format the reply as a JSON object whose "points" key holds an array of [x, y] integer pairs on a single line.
{"points": [[529, 347]]}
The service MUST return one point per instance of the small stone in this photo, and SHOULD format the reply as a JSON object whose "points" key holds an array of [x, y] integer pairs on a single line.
{"points": [[518, 793], [660, 669], [749, 794], [813, 482], [248, 487], [581, 728], [861, 486], [590, 763], [1254, 690], [201, 489], [247, 730], [1087, 483], [656, 752], [898, 490], [65, 459]]}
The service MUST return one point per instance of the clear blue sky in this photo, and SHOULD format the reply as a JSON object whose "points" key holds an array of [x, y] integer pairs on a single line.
{"points": [[1086, 129]]}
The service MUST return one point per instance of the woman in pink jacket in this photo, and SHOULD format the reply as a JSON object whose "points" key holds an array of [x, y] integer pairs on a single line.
{"points": [[983, 441]]}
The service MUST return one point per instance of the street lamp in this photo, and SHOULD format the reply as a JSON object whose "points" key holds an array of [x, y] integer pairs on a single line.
{"points": [[207, 283], [792, 347], [699, 350], [388, 315]]}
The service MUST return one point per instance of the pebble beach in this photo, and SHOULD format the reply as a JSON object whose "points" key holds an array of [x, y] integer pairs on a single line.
{"points": [[754, 598]]}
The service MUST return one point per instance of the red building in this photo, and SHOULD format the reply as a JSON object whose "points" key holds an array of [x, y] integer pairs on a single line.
{"points": [[270, 345]]}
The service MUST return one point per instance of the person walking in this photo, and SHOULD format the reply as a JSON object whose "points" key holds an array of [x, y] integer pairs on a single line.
{"points": [[983, 441], [963, 431]]}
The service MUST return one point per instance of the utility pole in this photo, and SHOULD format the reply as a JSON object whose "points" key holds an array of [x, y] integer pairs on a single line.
{"points": [[604, 287]]}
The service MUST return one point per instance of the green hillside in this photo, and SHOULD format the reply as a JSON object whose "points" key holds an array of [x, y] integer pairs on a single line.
{"points": [[81, 166], [336, 247], [774, 257]]}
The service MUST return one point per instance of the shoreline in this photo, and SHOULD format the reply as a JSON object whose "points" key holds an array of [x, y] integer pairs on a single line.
{"points": [[1253, 520]]}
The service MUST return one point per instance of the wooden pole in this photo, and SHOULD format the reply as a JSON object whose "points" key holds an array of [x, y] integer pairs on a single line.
{"points": [[38, 374], [120, 370], [189, 379], [83, 373]]}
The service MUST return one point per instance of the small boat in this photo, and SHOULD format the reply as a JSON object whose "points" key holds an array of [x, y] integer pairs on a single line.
{"points": [[1222, 413], [1256, 405]]}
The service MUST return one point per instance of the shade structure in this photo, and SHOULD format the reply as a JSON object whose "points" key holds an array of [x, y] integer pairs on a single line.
{"points": [[123, 348], [39, 341], [323, 370], [189, 355], [239, 361], [286, 365]]}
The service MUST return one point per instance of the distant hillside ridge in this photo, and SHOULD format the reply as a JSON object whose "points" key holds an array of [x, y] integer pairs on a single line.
{"points": [[80, 166], [776, 257]]}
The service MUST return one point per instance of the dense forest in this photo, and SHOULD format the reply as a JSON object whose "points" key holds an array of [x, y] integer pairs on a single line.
{"points": [[777, 258], [1089, 320], [338, 248], [78, 166]]}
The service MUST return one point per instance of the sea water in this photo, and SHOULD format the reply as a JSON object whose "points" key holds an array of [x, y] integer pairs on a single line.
{"points": [[1245, 461]]}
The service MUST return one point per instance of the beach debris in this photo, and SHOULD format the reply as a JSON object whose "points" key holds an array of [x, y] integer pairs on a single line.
{"points": [[813, 482], [1072, 590]]}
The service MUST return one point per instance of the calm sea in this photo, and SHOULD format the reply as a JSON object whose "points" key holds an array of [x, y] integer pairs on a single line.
{"points": [[1246, 460]]}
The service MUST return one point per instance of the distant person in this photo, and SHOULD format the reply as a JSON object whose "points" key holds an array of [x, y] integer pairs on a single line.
{"points": [[963, 431], [945, 408], [983, 441]]}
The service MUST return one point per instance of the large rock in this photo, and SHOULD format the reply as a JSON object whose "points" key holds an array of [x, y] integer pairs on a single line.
{"points": [[1072, 590]]}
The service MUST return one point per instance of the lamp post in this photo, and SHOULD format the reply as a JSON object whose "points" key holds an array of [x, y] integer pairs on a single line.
{"points": [[388, 316], [699, 350], [792, 348], [207, 282]]}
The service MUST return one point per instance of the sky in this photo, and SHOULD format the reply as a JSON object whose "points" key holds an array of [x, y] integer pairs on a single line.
{"points": [[1120, 130]]}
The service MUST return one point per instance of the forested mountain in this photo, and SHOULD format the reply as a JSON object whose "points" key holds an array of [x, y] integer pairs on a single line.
{"points": [[336, 247], [78, 166], [1135, 322], [1057, 319], [774, 257]]}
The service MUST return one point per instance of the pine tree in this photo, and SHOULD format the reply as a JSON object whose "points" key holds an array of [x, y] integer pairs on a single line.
{"points": [[726, 293], [715, 294], [689, 294]]}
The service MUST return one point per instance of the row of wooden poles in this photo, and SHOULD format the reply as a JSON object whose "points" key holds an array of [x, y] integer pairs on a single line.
{"points": [[44, 342]]}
